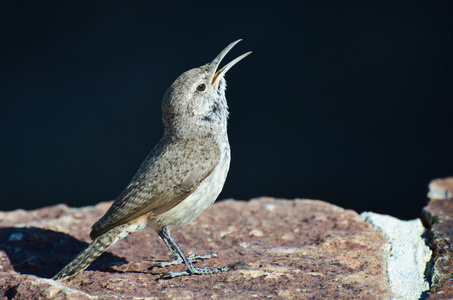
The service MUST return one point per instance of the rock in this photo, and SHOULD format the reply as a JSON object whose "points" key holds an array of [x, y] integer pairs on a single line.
{"points": [[41, 288], [295, 249], [407, 254], [438, 217]]}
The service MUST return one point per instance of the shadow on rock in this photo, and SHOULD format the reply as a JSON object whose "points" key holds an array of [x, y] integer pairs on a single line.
{"points": [[44, 252]]}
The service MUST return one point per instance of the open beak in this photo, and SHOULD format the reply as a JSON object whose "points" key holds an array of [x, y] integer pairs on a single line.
{"points": [[216, 61]]}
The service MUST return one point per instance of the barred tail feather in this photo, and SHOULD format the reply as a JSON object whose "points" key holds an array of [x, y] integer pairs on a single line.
{"points": [[93, 251]]}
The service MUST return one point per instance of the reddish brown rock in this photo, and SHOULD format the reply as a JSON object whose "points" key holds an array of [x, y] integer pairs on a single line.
{"points": [[296, 249], [438, 216]]}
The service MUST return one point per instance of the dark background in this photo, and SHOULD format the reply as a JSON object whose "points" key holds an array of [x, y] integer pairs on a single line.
{"points": [[348, 103]]}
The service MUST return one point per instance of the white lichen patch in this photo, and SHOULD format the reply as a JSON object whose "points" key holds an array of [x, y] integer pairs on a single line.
{"points": [[407, 254]]}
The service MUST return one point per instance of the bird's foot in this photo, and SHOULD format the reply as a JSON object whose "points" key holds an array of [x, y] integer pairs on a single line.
{"points": [[202, 271], [193, 258]]}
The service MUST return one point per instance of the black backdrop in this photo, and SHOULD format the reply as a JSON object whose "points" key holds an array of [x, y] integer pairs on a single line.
{"points": [[348, 103]]}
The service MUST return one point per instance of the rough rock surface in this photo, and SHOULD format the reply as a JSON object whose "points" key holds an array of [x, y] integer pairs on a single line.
{"points": [[296, 249], [438, 216]]}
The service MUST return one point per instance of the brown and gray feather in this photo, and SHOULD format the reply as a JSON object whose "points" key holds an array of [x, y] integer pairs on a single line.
{"points": [[193, 160]]}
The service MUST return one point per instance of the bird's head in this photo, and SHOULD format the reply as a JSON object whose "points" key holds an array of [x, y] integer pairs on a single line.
{"points": [[197, 98]]}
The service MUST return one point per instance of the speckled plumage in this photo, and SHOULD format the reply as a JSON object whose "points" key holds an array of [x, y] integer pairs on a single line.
{"points": [[182, 175]]}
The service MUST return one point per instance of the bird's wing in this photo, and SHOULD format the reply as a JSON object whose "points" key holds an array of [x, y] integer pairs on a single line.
{"points": [[170, 173]]}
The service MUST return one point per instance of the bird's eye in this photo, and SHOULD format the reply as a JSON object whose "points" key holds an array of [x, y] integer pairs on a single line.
{"points": [[201, 87]]}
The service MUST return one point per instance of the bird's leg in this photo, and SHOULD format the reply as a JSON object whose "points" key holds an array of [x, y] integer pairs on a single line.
{"points": [[181, 257], [178, 258]]}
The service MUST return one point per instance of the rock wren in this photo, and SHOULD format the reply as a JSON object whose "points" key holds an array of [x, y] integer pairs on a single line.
{"points": [[181, 177]]}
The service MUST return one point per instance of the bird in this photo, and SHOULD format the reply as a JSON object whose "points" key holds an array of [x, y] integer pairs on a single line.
{"points": [[180, 178]]}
